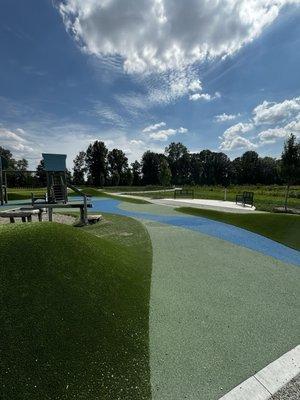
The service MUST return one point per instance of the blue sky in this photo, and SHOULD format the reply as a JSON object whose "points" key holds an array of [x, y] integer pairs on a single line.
{"points": [[139, 75]]}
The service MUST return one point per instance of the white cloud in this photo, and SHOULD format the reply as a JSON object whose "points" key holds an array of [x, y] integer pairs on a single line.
{"points": [[155, 133], [232, 139], [182, 130], [136, 142], [240, 142], [16, 142], [272, 113], [273, 134], [163, 134], [157, 35], [284, 118], [226, 117], [204, 96], [154, 127], [195, 86]]}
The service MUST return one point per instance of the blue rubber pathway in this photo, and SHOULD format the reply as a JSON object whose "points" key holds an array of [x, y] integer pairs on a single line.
{"points": [[209, 227]]}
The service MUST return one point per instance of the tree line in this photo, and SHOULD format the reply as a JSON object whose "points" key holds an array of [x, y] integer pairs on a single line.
{"points": [[97, 166], [178, 166]]}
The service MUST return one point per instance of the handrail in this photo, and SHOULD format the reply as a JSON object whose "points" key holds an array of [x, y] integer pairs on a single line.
{"points": [[76, 190]]}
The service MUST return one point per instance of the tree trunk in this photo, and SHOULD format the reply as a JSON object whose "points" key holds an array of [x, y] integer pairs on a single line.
{"points": [[225, 194], [286, 196]]}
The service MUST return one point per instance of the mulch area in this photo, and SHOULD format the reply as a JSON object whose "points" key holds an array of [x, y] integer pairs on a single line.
{"points": [[289, 392], [60, 218]]}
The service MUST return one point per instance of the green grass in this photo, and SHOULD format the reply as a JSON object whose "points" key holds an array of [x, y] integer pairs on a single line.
{"points": [[266, 198], [75, 310], [23, 194], [283, 228]]}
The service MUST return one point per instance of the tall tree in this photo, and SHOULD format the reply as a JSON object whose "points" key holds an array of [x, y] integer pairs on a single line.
{"points": [[196, 167], [164, 174], [41, 174], [136, 173], [179, 162], [79, 168], [290, 164], [8, 156], [118, 166], [96, 161], [150, 168]]}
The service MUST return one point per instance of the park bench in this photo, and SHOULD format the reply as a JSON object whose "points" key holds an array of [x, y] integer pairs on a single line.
{"points": [[184, 193], [38, 198], [23, 214], [245, 198]]}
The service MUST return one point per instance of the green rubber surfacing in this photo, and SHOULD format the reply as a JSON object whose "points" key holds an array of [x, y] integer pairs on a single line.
{"points": [[218, 313]]}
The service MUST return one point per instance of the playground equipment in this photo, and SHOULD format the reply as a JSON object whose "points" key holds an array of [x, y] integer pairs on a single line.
{"points": [[57, 190], [55, 168], [3, 180]]}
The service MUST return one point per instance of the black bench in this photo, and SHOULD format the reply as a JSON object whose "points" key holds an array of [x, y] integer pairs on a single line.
{"points": [[245, 198], [184, 193], [38, 199]]}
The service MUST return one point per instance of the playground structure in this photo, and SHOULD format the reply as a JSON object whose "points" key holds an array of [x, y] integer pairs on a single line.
{"points": [[56, 196], [55, 168]]}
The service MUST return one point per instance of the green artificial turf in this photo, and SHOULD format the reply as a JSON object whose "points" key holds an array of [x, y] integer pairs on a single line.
{"points": [[218, 313], [74, 311], [283, 228]]}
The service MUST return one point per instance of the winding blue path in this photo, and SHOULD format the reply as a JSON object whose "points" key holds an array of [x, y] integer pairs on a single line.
{"points": [[209, 227]]}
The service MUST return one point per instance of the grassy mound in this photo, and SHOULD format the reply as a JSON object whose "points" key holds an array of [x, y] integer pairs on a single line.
{"points": [[74, 314], [282, 228]]}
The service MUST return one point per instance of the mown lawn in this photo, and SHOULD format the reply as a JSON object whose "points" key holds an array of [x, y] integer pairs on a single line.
{"points": [[23, 194], [74, 311], [283, 228]]}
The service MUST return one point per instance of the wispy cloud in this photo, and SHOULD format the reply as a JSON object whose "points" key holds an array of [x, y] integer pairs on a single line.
{"points": [[155, 133], [226, 117]]}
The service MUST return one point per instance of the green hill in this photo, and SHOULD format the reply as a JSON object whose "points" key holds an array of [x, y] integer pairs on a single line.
{"points": [[74, 312]]}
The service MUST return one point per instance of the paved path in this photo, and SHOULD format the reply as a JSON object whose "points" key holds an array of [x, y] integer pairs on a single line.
{"points": [[218, 205], [209, 227], [218, 313], [224, 302]]}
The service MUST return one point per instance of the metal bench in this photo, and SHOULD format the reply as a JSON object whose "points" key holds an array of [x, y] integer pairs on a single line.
{"points": [[38, 198], [184, 193], [245, 198]]}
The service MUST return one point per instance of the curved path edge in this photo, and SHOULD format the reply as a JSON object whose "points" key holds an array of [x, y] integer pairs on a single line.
{"points": [[269, 380]]}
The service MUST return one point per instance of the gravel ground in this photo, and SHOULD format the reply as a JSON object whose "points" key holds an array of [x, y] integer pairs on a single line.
{"points": [[60, 218], [290, 392]]}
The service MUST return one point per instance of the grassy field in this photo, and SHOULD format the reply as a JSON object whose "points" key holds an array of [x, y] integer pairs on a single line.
{"points": [[283, 228], [265, 197], [24, 194], [75, 310]]}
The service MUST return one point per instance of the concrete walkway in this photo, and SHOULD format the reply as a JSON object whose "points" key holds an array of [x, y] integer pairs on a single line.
{"points": [[218, 205]]}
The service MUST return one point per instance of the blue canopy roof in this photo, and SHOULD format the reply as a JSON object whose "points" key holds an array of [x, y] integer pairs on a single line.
{"points": [[54, 162]]}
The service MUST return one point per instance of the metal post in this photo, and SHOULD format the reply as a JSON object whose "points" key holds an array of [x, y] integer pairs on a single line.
{"points": [[50, 214], [5, 189], [1, 184], [85, 209]]}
